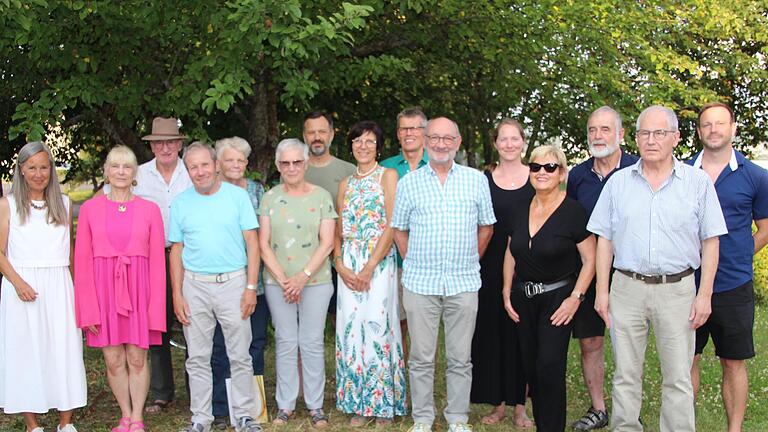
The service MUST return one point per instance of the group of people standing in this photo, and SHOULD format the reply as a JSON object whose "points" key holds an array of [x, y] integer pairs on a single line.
{"points": [[515, 261]]}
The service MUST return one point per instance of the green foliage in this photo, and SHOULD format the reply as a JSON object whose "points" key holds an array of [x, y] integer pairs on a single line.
{"points": [[102, 69]]}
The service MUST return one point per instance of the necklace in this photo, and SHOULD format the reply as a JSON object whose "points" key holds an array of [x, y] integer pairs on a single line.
{"points": [[359, 174], [38, 207], [121, 207]]}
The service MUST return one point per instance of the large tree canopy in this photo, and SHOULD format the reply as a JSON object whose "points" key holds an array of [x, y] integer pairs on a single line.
{"points": [[98, 71]]}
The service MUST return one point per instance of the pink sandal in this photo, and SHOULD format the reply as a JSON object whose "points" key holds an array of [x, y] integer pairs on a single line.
{"points": [[137, 426], [124, 425]]}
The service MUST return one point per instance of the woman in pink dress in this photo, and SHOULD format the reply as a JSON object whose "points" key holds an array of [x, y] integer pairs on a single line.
{"points": [[120, 283]]}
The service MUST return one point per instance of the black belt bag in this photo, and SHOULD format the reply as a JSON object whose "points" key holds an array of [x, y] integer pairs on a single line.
{"points": [[532, 289]]}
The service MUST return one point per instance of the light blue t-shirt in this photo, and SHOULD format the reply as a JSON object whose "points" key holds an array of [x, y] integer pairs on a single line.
{"points": [[211, 228]]}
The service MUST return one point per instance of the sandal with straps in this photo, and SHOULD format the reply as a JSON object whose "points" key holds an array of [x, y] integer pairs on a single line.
{"points": [[282, 417], [318, 418], [123, 425], [137, 426]]}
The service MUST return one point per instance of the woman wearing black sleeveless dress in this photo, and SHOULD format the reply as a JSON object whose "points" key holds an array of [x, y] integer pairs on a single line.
{"points": [[497, 377]]}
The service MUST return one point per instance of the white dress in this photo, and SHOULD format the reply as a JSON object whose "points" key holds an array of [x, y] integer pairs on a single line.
{"points": [[41, 348]]}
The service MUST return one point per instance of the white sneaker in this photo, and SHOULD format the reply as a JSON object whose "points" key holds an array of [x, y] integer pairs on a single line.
{"points": [[67, 428], [459, 427], [38, 429], [420, 427]]}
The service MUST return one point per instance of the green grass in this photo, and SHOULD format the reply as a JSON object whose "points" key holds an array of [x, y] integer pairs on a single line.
{"points": [[101, 413]]}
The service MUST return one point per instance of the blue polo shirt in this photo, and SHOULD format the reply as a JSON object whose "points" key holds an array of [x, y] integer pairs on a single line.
{"points": [[585, 185], [742, 189]]}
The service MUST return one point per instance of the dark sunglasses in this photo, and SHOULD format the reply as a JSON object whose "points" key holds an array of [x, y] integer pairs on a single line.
{"points": [[550, 167]]}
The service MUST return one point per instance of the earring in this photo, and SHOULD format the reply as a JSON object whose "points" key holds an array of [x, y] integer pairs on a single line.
{"points": [[134, 182], [106, 180]]}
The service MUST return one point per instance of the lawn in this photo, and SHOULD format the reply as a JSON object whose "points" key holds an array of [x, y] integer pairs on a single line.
{"points": [[101, 413]]}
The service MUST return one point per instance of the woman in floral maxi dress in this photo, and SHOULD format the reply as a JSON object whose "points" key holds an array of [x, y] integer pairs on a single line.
{"points": [[370, 370]]}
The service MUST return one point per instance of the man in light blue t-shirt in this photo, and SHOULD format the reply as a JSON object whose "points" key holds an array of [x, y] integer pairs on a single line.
{"points": [[214, 271]]}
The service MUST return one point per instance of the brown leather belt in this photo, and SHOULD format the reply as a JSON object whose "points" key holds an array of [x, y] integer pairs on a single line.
{"points": [[657, 279]]}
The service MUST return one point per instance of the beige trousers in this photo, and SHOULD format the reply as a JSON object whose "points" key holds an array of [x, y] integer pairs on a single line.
{"points": [[635, 306]]}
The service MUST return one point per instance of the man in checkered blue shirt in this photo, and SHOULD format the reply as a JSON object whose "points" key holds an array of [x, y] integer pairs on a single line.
{"points": [[443, 220]]}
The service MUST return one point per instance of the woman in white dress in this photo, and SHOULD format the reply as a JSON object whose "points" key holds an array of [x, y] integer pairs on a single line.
{"points": [[41, 348]]}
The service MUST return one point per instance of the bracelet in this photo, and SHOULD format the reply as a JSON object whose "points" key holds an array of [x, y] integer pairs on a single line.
{"points": [[337, 258], [307, 272], [250, 287]]}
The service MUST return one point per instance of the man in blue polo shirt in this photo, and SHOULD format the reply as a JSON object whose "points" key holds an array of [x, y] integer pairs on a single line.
{"points": [[585, 182], [742, 188]]}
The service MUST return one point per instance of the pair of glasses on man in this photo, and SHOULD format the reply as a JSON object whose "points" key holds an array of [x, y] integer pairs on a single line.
{"points": [[548, 167], [287, 163]]}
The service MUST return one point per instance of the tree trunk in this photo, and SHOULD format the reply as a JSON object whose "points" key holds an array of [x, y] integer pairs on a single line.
{"points": [[262, 125]]}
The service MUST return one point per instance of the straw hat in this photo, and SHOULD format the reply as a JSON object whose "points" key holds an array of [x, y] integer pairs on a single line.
{"points": [[164, 129]]}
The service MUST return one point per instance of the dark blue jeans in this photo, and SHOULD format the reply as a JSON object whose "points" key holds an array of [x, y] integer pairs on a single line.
{"points": [[220, 362]]}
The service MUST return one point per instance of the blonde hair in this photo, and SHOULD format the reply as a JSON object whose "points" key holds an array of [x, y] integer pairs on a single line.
{"points": [[121, 154], [550, 150], [56, 212]]}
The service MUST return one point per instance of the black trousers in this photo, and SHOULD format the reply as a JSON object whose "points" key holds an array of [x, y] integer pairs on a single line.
{"points": [[161, 385], [544, 349]]}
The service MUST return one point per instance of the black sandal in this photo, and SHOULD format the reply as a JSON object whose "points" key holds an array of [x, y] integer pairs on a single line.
{"points": [[157, 406], [318, 419]]}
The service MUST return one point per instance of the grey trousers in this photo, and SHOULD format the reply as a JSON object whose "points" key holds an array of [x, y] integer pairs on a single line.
{"points": [[459, 313], [210, 302], [299, 327], [635, 306]]}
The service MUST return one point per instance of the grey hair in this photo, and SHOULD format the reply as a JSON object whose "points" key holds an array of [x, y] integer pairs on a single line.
{"points": [[671, 116], [412, 112], [606, 109], [57, 212], [291, 143], [455, 126], [198, 145], [234, 143]]}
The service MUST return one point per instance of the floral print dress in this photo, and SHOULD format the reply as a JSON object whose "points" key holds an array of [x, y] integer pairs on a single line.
{"points": [[370, 370]]}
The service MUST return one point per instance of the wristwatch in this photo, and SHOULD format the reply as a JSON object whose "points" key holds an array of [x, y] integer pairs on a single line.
{"points": [[250, 287], [579, 296], [307, 272]]}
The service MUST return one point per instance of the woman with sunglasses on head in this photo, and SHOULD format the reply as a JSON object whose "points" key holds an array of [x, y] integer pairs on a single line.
{"points": [[497, 370], [551, 259], [370, 371], [297, 223]]}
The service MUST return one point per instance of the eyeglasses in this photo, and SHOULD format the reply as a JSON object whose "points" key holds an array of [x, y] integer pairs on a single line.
{"points": [[658, 134], [359, 142], [287, 164], [410, 129], [548, 167], [168, 144], [448, 139]]}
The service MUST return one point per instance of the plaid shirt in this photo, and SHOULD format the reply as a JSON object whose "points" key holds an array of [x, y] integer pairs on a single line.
{"points": [[442, 221]]}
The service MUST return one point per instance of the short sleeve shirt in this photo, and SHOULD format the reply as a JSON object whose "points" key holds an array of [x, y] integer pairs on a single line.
{"points": [[328, 177], [399, 164], [742, 188], [211, 228], [295, 230], [658, 232], [442, 221], [550, 255]]}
